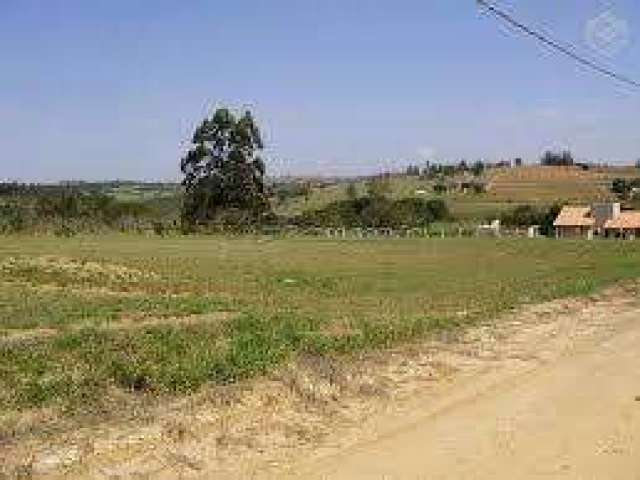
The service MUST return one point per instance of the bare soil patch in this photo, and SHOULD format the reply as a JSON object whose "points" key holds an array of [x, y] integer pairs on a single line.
{"points": [[261, 429]]}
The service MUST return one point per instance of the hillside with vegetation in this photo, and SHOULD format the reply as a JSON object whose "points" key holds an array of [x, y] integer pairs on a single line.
{"points": [[459, 197], [503, 188]]}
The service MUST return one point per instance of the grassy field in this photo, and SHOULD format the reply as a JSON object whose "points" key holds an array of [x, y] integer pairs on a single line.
{"points": [[96, 324]]}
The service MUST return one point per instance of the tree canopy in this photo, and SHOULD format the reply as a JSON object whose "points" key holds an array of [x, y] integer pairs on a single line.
{"points": [[223, 173]]}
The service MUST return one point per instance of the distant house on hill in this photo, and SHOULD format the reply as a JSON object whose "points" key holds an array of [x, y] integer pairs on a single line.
{"points": [[574, 222], [605, 219], [625, 225]]}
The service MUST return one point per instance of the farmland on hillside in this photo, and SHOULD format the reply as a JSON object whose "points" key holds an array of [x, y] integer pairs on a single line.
{"points": [[505, 187], [549, 184], [462, 207], [106, 324]]}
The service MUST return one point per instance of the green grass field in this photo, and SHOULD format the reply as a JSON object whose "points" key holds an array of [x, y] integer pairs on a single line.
{"points": [[88, 323]]}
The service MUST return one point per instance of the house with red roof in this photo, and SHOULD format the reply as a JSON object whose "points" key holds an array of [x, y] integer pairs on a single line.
{"points": [[603, 219]]}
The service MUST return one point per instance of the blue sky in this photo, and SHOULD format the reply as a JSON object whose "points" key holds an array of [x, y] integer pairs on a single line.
{"points": [[112, 89]]}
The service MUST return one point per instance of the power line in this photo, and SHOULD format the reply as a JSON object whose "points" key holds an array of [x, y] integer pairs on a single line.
{"points": [[570, 52]]}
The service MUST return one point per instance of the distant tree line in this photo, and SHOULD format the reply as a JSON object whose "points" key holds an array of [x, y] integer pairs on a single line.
{"points": [[557, 159], [16, 189], [432, 170], [68, 210]]}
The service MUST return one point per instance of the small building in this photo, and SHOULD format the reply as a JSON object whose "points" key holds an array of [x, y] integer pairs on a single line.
{"points": [[602, 213], [603, 219], [624, 225], [575, 222]]}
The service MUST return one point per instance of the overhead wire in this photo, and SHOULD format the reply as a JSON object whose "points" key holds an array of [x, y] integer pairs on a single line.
{"points": [[568, 50]]}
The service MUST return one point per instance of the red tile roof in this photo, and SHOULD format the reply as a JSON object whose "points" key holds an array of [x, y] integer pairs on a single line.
{"points": [[574, 217], [626, 220]]}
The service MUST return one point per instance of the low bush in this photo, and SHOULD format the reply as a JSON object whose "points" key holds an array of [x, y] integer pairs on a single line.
{"points": [[377, 212], [527, 215]]}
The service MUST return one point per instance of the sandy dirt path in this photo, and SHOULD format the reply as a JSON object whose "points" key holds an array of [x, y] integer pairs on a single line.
{"points": [[575, 417], [546, 391]]}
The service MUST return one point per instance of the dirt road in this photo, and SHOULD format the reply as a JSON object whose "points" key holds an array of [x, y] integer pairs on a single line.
{"points": [[575, 417], [547, 391]]}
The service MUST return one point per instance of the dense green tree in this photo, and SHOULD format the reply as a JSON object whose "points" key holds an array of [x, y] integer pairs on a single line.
{"points": [[12, 217], [522, 216], [620, 187], [624, 187], [547, 220], [223, 173], [527, 215]]}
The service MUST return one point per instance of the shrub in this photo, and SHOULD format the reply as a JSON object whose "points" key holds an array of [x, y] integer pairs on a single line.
{"points": [[527, 215], [12, 218], [377, 212], [623, 187], [440, 188]]}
